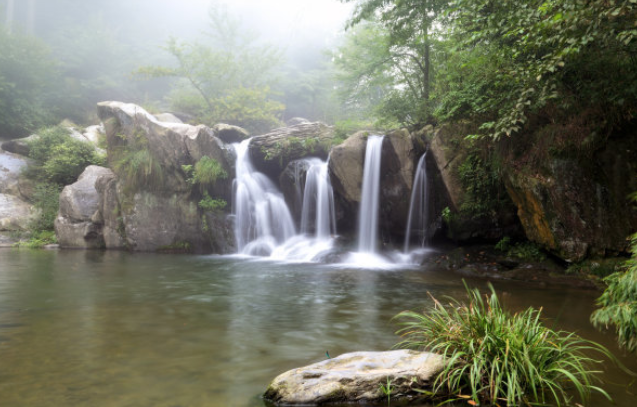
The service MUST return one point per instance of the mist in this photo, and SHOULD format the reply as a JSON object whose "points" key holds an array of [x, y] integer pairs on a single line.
{"points": [[93, 51]]}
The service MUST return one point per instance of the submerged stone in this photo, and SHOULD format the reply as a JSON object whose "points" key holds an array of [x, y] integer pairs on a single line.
{"points": [[356, 377]]}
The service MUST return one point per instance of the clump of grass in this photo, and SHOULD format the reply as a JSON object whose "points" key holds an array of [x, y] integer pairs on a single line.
{"points": [[139, 169], [497, 358], [207, 171]]}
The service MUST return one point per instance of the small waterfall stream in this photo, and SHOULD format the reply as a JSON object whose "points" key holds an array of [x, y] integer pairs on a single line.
{"points": [[417, 221], [370, 196], [318, 212], [262, 219], [263, 222]]}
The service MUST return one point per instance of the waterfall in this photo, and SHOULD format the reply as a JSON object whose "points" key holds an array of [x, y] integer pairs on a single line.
{"points": [[262, 219], [318, 201], [370, 196], [417, 220]]}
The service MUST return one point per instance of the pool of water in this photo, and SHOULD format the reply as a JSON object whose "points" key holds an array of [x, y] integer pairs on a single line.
{"points": [[91, 328]]}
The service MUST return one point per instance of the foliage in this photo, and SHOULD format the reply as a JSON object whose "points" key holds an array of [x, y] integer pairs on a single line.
{"points": [[207, 171], [483, 190], [60, 158], [38, 240], [138, 168], [504, 244], [526, 251], [387, 389], [46, 199], [227, 78], [209, 204], [27, 75], [619, 302], [574, 54], [495, 357], [392, 57]]}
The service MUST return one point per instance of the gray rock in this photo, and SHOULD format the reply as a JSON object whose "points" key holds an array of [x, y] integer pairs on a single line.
{"points": [[78, 224], [356, 377], [15, 214], [19, 146], [166, 217], [168, 118], [297, 120], [230, 134], [11, 166], [272, 152]]}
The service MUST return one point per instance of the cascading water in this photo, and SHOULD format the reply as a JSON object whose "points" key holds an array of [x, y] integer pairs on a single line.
{"points": [[417, 221], [263, 223], [318, 201], [370, 196], [318, 219], [262, 219]]}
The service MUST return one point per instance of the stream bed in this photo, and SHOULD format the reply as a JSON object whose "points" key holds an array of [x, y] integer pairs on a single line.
{"points": [[94, 328]]}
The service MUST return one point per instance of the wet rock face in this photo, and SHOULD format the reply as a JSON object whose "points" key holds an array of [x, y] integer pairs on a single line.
{"points": [[400, 152], [272, 152], [79, 221], [356, 377], [167, 216], [579, 208]]}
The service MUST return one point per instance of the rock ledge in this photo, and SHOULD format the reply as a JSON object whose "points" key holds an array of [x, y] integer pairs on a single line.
{"points": [[355, 377]]}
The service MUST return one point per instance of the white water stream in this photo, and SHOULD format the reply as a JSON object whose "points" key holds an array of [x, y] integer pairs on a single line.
{"points": [[417, 222], [263, 223]]}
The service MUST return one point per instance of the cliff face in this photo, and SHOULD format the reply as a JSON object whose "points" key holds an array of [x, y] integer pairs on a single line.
{"points": [[578, 207], [573, 204], [148, 202]]}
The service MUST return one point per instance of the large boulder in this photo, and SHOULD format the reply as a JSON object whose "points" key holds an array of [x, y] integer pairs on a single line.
{"points": [[79, 222], [166, 216], [357, 377], [15, 214], [292, 183], [578, 207], [15, 211], [272, 152], [19, 146], [229, 133]]}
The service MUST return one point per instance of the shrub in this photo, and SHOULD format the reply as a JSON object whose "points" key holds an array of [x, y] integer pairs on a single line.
{"points": [[495, 357], [138, 168], [209, 204], [206, 172], [61, 159], [46, 198], [619, 303]]}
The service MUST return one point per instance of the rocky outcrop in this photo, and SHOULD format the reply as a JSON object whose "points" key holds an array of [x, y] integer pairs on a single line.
{"points": [[400, 153], [19, 146], [272, 152], [79, 221], [292, 183], [15, 211], [450, 151], [161, 216], [168, 118], [579, 207], [357, 377], [229, 133]]}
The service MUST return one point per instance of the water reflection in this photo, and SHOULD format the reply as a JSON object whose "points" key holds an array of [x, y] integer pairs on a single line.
{"points": [[116, 329]]}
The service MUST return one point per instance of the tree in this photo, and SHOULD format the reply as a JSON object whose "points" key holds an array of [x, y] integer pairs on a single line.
{"points": [[27, 77], [408, 31], [226, 78], [569, 55]]}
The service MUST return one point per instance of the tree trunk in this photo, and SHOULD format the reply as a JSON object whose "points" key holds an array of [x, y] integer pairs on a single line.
{"points": [[427, 67], [10, 8]]}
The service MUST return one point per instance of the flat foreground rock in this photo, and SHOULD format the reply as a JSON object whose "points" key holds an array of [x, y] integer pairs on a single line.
{"points": [[357, 376]]}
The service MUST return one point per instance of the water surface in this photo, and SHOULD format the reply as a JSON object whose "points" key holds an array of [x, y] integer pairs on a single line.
{"points": [[90, 328]]}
